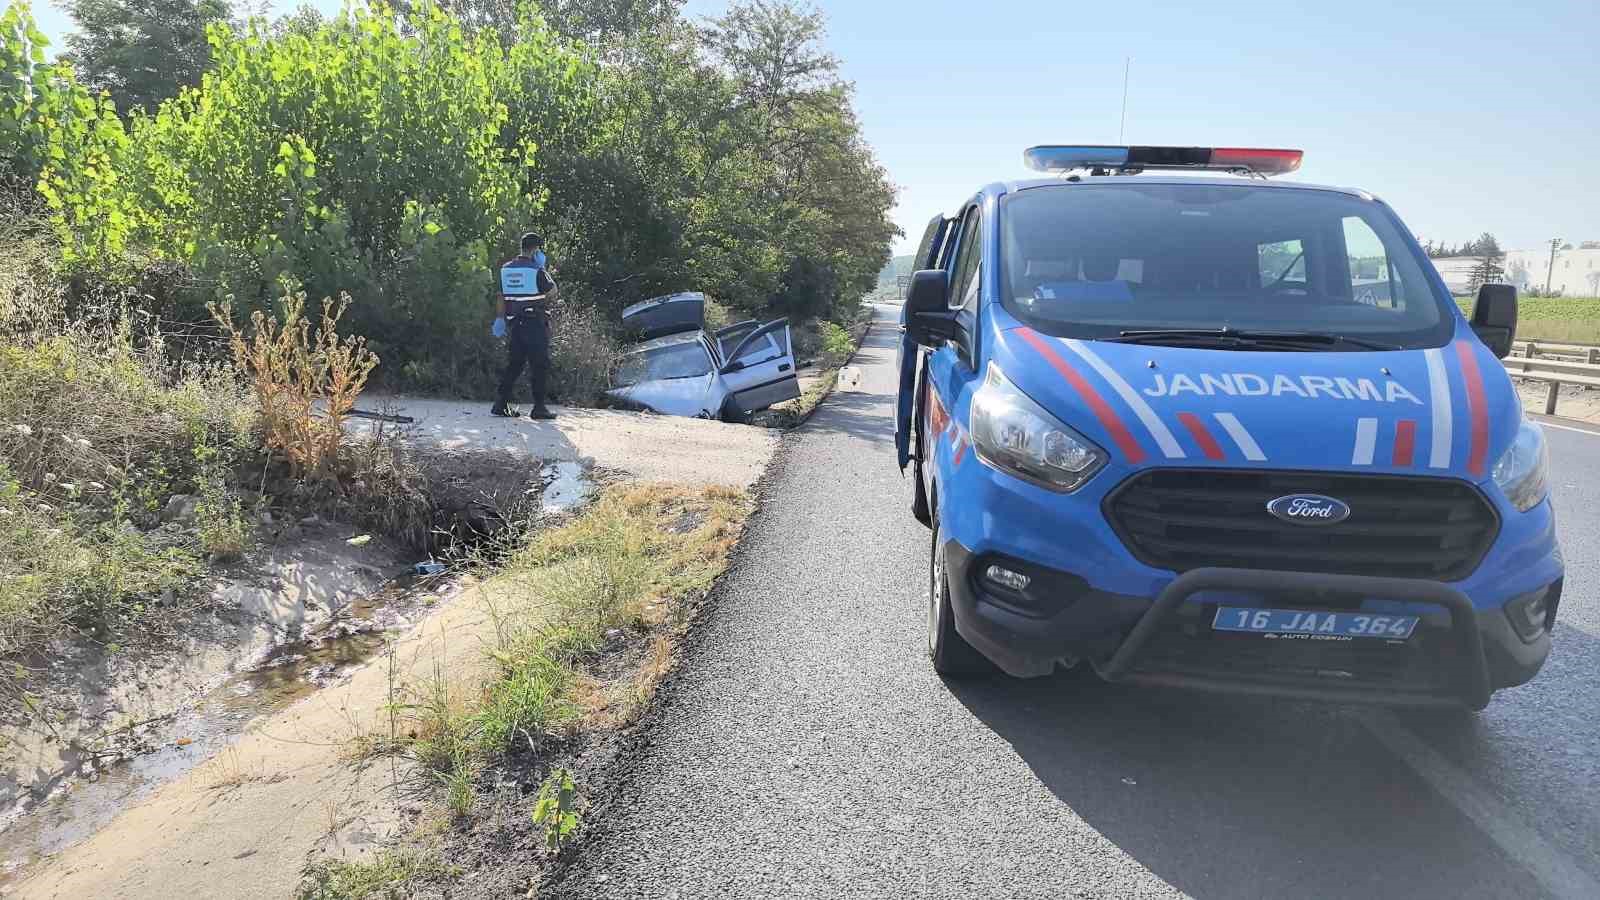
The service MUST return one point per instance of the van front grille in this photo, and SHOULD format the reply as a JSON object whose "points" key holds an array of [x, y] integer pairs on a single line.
{"points": [[1399, 526]]}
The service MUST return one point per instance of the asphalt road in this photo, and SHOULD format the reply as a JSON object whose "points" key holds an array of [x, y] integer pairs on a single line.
{"points": [[807, 749]]}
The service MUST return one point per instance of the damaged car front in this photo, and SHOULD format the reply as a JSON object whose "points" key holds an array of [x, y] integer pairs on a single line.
{"points": [[680, 369]]}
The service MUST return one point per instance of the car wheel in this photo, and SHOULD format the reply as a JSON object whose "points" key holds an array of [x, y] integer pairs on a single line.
{"points": [[950, 652]]}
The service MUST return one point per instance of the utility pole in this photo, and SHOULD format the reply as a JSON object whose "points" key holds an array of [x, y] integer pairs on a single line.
{"points": [[1555, 244]]}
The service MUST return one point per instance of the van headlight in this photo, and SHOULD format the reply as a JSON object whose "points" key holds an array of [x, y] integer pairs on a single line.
{"points": [[1015, 435], [1522, 470]]}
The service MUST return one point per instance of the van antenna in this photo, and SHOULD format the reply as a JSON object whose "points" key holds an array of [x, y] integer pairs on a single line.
{"points": [[1122, 127]]}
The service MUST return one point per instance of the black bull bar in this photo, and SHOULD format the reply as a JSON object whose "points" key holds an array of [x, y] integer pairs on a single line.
{"points": [[1471, 680]]}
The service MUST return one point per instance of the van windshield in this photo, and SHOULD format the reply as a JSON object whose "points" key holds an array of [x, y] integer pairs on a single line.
{"points": [[1096, 261]]}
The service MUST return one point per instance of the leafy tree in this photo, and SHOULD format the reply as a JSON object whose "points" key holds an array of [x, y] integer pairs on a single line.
{"points": [[30, 91], [1490, 258], [830, 196], [394, 155], [142, 52], [774, 50], [592, 21]]}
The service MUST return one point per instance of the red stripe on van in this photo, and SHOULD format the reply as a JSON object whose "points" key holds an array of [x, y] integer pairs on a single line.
{"points": [[1097, 404], [1476, 409], [1197, 430], [1405, 441]]}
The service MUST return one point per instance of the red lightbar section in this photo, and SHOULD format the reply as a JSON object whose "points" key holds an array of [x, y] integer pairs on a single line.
{"points": [[1262, 162]]}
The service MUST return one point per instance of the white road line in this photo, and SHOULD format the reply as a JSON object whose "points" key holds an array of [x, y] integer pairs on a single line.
{"points": [[1366, 442], [1556, 872], [1236, 430], [1439, 391], [1549, 424], [1158, 429]]}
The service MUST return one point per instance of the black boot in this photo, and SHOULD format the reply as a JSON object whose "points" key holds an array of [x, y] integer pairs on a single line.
{"points": [[541, 412]]}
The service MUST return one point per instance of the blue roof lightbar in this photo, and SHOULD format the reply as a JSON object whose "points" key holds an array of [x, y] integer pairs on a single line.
{"points": [[1131, 159]]}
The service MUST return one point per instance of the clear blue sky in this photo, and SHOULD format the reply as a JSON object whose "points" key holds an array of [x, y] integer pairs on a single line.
{"points": [[1464, 120]]}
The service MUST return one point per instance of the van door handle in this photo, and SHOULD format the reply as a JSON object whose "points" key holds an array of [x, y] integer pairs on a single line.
{"points": [[784, 368]]}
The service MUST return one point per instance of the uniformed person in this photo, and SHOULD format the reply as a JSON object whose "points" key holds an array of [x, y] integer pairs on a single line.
{"points": [[526, 293]]}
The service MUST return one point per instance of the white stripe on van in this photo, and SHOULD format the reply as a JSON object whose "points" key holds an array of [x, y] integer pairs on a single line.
{"points": [[1236, 430], [1158, 429], [1443, 415], [1366, 442]]}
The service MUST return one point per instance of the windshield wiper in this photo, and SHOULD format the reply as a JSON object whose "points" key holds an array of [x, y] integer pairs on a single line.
{"points": [[1239, 337]]}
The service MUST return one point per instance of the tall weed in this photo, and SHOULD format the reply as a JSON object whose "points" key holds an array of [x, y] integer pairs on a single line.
{"points": [[305, 384]]}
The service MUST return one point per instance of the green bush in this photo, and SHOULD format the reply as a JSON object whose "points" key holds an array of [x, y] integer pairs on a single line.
{"points": [[396, 157], [837, 345], [366, 156]]}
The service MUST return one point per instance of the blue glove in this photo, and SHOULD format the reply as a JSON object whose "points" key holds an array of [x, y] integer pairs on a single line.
{"points": [[499, 329]]}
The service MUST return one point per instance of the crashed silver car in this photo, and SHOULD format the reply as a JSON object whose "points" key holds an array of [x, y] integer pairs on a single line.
{"points": [[679, 369]]}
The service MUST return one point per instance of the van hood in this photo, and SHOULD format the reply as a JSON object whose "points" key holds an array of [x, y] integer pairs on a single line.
{"points": [[1444, 411]]}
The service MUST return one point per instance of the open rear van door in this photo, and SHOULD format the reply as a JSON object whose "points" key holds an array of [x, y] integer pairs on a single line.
{"points": [[909, 355]]}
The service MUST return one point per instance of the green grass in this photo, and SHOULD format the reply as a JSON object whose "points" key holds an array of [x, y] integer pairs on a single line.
{"points": [[1574, 320], [625, 563], [387, 876], [96, 433]]}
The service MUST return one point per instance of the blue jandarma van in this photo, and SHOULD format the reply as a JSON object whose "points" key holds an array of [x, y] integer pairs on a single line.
{"points": [[1214, 431]]}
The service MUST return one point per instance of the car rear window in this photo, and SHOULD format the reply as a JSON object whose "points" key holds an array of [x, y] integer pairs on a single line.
{"points": [[1091, 261]]}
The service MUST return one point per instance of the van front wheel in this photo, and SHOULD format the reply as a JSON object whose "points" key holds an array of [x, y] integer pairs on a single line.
{"points": [[951, 654]]}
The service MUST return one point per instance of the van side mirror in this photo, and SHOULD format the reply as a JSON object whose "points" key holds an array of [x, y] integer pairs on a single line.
{"points": [[1494, 317], [929, 320]]}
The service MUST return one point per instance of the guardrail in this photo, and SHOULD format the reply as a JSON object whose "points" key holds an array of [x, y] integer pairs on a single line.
{"points": [[1556, 372], [1556, 350]]}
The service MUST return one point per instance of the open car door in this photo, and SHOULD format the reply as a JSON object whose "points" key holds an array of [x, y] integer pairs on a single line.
{"points": [[910, 355], [758, 371], [726, 340]]}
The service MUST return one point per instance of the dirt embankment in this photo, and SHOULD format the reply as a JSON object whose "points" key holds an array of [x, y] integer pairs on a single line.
{"points": [[250, 815], [238, 795], [96, 705]]}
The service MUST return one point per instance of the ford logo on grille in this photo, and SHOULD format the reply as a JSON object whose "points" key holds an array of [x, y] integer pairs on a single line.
{"points": [[1309, 509]]}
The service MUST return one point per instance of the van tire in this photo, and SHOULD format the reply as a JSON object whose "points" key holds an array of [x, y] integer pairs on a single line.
{"points": [[952, 656]]}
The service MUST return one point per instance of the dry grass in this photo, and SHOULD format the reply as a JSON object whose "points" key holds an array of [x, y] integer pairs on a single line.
{"points": [[305, 384], [228, 770]]}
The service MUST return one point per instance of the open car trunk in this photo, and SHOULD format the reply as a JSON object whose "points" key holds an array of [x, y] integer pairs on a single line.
{"points": [[661, 316]]}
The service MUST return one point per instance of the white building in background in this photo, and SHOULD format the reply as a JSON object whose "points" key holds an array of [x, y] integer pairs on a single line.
{"points": [[1456, 272], [1576, 272]]}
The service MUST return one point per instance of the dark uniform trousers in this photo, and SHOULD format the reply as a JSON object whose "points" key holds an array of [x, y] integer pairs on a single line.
{"points": [[529, 335]]}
